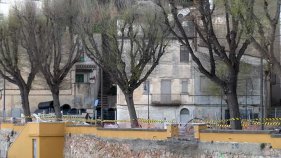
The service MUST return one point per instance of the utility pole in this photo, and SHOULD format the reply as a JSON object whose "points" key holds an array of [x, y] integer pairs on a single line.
{"points": [[221, 105], [148, 91], [4, 100], [261, 93], [101, 95], [246, 99]]}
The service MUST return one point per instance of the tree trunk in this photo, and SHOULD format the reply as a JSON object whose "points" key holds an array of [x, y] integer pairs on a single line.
{"points": [[24, 92], [232, 100], [234, 111], [56, 103], [132, 111], [276, 67], [267, 91]]}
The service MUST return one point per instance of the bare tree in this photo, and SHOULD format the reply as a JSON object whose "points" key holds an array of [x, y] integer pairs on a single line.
{"points": [[132, 43], [16, 59], [267, 20], [229, 54], [53, 38]]}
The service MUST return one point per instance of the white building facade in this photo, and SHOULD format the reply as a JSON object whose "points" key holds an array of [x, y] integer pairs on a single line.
{"points": [[177, 91], [166, 95]]}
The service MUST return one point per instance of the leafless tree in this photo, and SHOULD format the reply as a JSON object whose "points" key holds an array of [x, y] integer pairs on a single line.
{"points": [[229, 52], [132, 42], [52, 37], [16, 59], [267, 18]]}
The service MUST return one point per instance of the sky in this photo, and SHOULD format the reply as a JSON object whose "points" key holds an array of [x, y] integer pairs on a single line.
{"points": [[5, 5]]}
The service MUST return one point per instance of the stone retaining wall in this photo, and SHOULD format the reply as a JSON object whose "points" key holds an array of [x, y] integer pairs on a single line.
{"points": [[6, 138], [237, 150], [89, 146]]}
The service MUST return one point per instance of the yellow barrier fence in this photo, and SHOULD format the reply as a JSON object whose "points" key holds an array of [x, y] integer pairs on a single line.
{"points": [[211, 123]]}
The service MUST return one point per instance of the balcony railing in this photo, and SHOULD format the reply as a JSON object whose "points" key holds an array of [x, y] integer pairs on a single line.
{"points": [[166, 99]]}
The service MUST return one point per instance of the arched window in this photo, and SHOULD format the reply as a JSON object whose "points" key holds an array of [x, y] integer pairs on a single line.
{"points": [[184, 111]]}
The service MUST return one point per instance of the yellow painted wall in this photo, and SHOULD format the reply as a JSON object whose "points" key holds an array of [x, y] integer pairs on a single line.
{"points": [[236, 137], [22, 147], [11, 126], [50, 141], [81, 130], [7, 126], [157, 135], [276, 143], [46, 129], [123, 134], [51, 147], [173, 131], [229, 137], [197, 128], [50, 137]]}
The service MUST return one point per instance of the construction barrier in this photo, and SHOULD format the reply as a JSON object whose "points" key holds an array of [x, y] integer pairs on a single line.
{"points": [[210, 123]]}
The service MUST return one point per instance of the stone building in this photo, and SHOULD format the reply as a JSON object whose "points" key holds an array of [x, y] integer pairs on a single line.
{"points": [[166, 92], [177, 91]]}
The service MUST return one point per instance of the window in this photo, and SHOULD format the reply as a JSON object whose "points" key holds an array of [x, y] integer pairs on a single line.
{"points": [[189, 29], [82, 57], [79, 78], [184, 54], [34, 145], [184, 86], [166, 88], [204, 84], [146, 87]]}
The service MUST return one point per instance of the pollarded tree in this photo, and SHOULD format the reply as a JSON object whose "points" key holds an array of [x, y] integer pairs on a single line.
{"points": [[132, 42], [17, 62], [53, 38], [229, 52]]}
